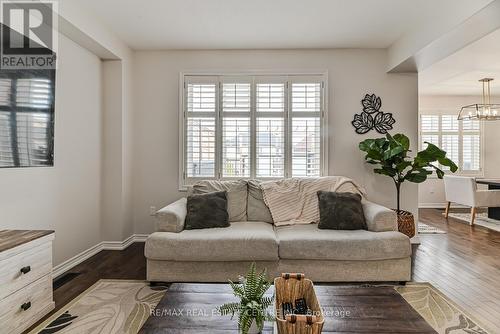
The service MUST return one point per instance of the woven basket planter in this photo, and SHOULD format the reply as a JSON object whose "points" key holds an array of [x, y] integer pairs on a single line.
{"points": [[290, 287], [406, 223]]}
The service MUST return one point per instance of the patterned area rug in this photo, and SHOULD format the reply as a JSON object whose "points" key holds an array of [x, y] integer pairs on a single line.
{"points": [[107, 307], [119, 306], [427, 229], [439, 312], [481, 220]]}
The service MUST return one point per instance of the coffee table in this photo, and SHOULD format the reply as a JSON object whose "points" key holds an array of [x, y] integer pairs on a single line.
{"points": [[191, 308]]}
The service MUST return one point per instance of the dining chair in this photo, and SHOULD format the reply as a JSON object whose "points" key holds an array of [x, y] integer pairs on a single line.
{"points": [[463, 190]]}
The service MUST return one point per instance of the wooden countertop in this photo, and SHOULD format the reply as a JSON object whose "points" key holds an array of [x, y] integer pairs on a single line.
{"points": [[13, 238]]}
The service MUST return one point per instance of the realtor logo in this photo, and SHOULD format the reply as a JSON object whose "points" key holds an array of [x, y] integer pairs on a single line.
{"points": [[29, 34]]}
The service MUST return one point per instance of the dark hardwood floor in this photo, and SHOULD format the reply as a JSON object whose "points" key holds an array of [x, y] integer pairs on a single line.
{"points": [[464, 264]]}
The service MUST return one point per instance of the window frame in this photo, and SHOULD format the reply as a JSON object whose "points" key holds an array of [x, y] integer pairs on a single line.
{"points": [[460, 132], [256, 77]]}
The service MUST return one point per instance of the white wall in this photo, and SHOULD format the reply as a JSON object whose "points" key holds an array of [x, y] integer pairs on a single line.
{"points": [[117, 153], [352, 74], [67, 197], [431, 192]]}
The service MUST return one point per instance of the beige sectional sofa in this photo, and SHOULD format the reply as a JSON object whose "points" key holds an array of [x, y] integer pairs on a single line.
{"points": [[380, 253]]}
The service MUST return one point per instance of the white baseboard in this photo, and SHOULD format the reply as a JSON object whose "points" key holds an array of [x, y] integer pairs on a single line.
{"points": [[88, 253]]}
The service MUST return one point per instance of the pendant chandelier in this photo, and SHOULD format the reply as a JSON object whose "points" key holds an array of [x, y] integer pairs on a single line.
{"points": [[484, 110]]}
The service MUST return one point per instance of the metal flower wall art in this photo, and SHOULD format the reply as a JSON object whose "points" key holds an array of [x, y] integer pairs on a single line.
{"points": [[371, 117]]}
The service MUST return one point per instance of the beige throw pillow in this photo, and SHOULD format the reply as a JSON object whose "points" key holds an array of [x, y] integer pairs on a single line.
{"points": [[236, 196], [257, 209]]}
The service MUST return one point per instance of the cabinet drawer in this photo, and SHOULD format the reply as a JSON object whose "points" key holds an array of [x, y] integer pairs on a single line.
{"points": [[24, 268], [37, 301]]}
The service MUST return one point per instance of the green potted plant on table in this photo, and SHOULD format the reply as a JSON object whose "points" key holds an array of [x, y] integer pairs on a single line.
{"points": [[390, 154], [252, 307]]}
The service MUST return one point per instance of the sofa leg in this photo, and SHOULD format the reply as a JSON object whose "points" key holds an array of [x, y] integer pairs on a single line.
{"points": [[402, 283]]}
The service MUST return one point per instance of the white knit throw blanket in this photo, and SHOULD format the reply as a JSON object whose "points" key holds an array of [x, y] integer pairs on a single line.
{"points": [[295, 201]]}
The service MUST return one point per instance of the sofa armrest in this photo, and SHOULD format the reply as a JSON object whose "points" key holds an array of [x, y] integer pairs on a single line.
{"points": [[171, 218], [379, 218]]}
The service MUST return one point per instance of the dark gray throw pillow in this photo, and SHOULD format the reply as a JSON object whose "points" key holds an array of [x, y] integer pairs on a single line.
{"points": [[207, 211], [340, 211]]}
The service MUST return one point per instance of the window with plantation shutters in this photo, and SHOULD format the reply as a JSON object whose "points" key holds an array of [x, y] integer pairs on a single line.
{"points": [[305, 129], [201, 102], [26, 118], [460, 139], [270, 127], [256, 126], [236, 101]]}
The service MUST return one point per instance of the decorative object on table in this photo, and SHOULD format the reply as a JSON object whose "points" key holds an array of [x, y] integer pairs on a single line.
{"points": [[390, 154], [308, 315], [372, 117], [252, 307], [482, 111]]}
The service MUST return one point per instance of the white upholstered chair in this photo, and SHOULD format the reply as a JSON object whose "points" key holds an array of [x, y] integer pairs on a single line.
{"points": [[463, 190]]}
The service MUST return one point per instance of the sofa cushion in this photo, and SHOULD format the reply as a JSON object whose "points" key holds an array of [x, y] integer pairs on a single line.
{"points": [[308, 242], [242, 241], [236, 196], [257, 209]]}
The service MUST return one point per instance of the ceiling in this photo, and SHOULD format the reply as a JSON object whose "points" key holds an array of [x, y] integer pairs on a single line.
{"points": [[459, 73], [263, 24]]}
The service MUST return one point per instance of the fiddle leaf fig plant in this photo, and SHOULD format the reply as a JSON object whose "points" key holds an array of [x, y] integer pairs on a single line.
{"points": [[390, 155]]}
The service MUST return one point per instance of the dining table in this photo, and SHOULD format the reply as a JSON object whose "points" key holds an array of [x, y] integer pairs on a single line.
{"points": [[493, 184]]}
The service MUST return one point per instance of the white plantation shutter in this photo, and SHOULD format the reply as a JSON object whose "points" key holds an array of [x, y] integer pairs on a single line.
{"points": [[306, 97], [270, 127], [201, 111], [450, 138], [26, 121], [236, 103], [5, 92], [236, 97], [32, 138], [236, 147], [471, 145], [429, 130], [429, 123], [251, 126], [471, 152], [460, 139], [33, 93], [449, 123], [449, 143], [200, 147], [305, 128], [6, 154], [271, 97], [270, 147]]}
